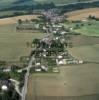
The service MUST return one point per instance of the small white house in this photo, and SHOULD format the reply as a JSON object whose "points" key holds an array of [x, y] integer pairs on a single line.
{"points": [[44, 68], [38, 69], [7, 70], [60, 57], [38, 64], [4, 88]]}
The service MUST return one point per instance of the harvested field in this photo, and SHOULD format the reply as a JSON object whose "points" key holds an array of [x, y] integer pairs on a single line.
{"points": [[13, 20], [82, 14]]}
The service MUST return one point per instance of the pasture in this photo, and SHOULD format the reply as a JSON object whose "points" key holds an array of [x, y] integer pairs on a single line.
{"points": [[79, 22]]}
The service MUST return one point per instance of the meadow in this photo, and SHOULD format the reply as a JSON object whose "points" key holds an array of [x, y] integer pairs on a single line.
{"points": [[79, 22]]}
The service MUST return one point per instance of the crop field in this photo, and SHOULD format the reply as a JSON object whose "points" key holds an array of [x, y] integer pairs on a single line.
{"points": [[13, 20], [75, 82], [86, 53], [85, 48], [82, 14], [83, 40], [13, 43]]}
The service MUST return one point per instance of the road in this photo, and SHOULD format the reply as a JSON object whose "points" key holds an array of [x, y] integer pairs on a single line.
{"points": [[24, 90]]}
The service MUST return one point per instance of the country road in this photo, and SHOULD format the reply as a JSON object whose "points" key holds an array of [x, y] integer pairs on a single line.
{"points": [[24, 90]]}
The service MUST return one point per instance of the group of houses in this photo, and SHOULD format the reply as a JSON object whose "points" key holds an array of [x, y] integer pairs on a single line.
{"points": [[53, 46]]}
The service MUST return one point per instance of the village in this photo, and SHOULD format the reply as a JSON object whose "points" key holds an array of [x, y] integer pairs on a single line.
{"points": [[49, 52]]}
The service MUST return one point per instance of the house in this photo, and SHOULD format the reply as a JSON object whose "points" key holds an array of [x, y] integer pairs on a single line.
{"points": [[44, 68], [4, 88]]}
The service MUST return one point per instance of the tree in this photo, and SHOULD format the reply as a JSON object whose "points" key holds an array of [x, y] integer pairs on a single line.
{"points": [[19, 21], [36, 42]]}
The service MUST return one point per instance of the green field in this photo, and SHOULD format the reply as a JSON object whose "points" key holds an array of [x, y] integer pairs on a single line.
{"points": [[10, 3], [90, 28], [59, 2], [13, 44]]}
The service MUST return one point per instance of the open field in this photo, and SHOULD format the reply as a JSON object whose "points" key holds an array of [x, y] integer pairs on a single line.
{"points": [[85, 48], [72, 83], [13, 20], [13, 44], [82, 14], [85, 26], [92, 29], [10, 3], [58, 2], [83, 40], [86, 53]]}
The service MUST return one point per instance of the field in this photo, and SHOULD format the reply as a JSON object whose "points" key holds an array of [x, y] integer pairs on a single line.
{"points": [[13, 43], [58, 2], [85, 48], [74, 82], [82, 14], [81, 22], [13, 20], [10, 3]]}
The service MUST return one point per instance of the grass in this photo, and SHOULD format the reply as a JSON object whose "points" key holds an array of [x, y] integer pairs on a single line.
{"points": [[13, 44], [89, 28], [92, 30]]}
